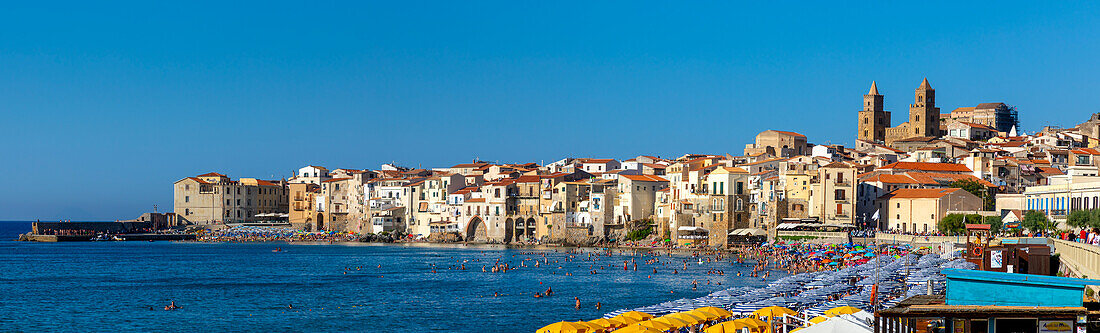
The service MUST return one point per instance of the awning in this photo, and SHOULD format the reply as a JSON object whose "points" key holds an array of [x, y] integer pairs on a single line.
{"points": [[749, 232], [688, 228]]}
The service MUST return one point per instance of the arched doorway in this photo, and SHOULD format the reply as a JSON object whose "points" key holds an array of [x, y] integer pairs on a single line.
{"points": [[530, 228], [476, 231], [320, 222], [509, 224]]}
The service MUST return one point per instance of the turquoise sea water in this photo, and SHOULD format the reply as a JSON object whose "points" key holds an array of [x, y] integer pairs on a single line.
{"points": [[110, 286]]}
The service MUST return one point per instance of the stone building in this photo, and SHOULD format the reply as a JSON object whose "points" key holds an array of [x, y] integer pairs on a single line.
{"points": [[778, 143], [924, 116], [874, 119], [215, 198], [918, 210]]}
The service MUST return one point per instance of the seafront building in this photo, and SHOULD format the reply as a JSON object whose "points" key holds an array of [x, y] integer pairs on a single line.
{"points": [[895, 178], [215, 198]]}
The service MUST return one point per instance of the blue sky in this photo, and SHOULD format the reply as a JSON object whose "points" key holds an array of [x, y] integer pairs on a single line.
{"points": [[105, 105]]}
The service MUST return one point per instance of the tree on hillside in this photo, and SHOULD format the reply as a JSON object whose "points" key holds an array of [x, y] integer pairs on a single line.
{"points": [[1035, 221], [952, 224], [977, 189]]}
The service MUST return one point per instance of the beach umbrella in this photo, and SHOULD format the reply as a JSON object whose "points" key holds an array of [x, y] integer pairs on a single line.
{"points": [[655, 325], [626, 320], [636, 329], [640, 316], [818, 319], [752, 323], [730, 327], [608, 322], [716, 310], [687, 317], [841, 310], [674, 322], [773, 311], [592, 327], [704, 314], [564, 327]]}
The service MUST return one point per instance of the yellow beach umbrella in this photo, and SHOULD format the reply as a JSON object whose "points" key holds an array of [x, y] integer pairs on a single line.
{"points": [[726, 327], [674, 322], [752, 322], [773, 311], [627, 320], [608, 322], [636, 329], [688, 317], [818, 319], [704, 314], [656, 325], [733, 327], [592, 327], [842, 310], [637, 315], [564, 327], [716, 310]]}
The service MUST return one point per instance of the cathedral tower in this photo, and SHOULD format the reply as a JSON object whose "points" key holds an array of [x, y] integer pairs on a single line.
{"points": [[924, 116], [873, 120]]}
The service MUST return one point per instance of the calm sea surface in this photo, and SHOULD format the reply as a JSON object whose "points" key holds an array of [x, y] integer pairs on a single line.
{"points": [[110, 286]]}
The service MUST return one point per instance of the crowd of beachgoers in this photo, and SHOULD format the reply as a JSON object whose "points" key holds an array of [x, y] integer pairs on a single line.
{"points": [[270, 234]]}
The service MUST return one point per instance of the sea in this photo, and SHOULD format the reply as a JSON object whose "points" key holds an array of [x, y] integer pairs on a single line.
{"points": [[359, 287]]}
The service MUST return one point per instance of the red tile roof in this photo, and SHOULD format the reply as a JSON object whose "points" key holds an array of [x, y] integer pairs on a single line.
{"points": [[925, 166], [920, 193], [644, 178], [213, 174], [790, 133]]}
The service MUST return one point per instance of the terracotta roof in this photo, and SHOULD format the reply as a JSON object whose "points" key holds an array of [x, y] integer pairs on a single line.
{"points": [[1086, 151], [200, 181], [476, 200], [265, 183], [335, 180], [925, 166], [594, 160], [917, 139], [735, 170], [979, 126], [529, 179], [765, 161], [790, 133], [655, 165], [837, 165], [644, 178], [469, 165], [920, 193], [213, 174]]}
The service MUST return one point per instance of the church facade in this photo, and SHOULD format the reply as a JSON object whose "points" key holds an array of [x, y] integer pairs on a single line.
{"points": [[923, 121]]}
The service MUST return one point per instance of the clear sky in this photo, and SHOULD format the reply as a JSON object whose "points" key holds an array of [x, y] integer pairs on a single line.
{"points": [[104, 106]]}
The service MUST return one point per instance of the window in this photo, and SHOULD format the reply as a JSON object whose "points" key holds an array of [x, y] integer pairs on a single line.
{"points": [[187, 199], [187, 211]]}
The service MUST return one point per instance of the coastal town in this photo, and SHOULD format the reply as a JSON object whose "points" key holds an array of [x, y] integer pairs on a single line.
{"points": [[972, 163], [904, 230]]}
